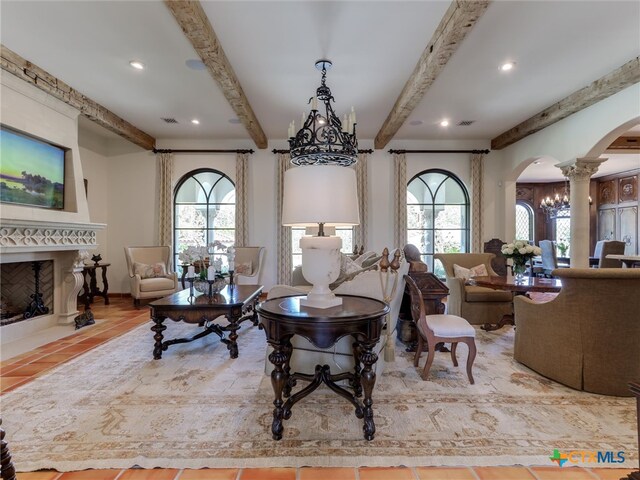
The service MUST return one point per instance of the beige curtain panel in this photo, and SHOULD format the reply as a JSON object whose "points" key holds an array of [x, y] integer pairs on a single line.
{"points": [[165, 202], [477, 186], [360, 231], [283, 239], [242, 191], [400, 199]]}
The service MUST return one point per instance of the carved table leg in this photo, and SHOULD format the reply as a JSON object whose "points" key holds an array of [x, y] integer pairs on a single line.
{"points": [[233, 328], [7, 470], [278, 380], [291, 382], [368, 378], [158, 328], [506, 319], [356, 383], [105, 286]]}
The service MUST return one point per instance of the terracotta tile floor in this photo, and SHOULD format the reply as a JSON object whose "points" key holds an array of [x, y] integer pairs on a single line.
{"points": [[121, 317]]}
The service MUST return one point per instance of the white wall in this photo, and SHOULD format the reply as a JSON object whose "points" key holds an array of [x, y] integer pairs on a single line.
{"points": [[132, 193]]}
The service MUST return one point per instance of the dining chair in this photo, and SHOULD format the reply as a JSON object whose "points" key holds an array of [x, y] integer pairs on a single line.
{"points": [[549, 257], [609, 247], [434, 329]]}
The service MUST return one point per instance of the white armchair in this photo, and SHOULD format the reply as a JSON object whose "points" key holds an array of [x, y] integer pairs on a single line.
{"points": [[306, 356], [150, 273], [248, 264]]}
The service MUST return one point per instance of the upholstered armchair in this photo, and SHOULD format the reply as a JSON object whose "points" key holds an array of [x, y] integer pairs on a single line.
{"points": [[477, 305], [150, 273], [306, 356], [587, 337], [248, 265]]}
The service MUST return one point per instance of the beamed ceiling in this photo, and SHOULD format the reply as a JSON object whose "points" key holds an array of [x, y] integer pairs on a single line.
{"points": [[405, 66]]}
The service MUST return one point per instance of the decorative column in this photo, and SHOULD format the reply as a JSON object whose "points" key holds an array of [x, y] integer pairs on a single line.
{"points": [[73, 282], [579, 172]]}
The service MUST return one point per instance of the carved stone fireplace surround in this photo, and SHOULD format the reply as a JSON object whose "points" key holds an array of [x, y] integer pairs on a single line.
{"points": [[67, 244]]}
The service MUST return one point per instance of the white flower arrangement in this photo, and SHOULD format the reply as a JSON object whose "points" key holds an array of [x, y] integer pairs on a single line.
{"points": [[520, 251], [197, 255]]}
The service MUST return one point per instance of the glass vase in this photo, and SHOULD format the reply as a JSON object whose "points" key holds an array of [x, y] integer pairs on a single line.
{"points": [[519, 269]]}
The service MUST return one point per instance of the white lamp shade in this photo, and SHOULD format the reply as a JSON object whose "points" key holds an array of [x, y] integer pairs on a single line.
{"points": [[320, 194]]}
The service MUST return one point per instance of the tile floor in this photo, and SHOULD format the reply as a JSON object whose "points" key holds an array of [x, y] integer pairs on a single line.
{"points": [[120, 317]]}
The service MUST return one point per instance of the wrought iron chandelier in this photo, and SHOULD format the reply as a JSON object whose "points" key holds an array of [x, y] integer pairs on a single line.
{"points": [[558, 207], [323, 139]]}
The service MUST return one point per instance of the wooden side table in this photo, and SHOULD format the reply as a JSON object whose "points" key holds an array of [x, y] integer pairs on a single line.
{"points": [[433, 293], [90, 288], [360, 317]]}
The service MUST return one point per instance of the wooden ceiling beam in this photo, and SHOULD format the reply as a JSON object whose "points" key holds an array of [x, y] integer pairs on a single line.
{"points": [[457, 22], [613, 82], [27, 71], [196, 26], [623, 144]]}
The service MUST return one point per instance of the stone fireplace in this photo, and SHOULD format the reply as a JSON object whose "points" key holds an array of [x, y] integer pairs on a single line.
{"points": [[60, 238]]}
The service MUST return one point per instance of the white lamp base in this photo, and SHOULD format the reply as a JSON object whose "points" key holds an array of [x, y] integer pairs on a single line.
{"points": [[321, 267]]}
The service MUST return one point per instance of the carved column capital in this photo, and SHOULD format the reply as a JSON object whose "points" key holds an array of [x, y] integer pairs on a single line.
{"points": [[581, 169]]}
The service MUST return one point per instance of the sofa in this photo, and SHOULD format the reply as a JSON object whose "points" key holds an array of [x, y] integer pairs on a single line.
{"points": [[306, 356], [588, 337], [477, 305]]}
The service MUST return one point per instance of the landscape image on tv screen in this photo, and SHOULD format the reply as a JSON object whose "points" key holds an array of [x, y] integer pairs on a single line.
{"points": [[31, 171]]}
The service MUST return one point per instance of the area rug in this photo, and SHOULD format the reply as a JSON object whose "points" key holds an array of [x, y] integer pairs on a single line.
{"points": [[116, 407]]}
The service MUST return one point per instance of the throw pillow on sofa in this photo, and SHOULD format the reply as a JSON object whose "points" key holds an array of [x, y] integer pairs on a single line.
{"points": [[467, 273], [154, 270]]}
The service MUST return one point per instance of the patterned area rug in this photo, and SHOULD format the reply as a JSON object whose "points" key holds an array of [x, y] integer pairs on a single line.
{"points": [[115, 407]]}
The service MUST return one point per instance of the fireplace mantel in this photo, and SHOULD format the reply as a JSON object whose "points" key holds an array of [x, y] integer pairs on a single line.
{"points": [[25, 236]]}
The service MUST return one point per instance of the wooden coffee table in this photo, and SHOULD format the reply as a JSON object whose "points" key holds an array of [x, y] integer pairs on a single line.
{"points": [[527, 284], [237, 303]]}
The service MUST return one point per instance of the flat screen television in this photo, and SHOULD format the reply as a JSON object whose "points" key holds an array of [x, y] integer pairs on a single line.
{"points": [[31, 170]]}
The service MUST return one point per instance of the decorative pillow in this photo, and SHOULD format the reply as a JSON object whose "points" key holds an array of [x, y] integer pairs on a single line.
{"points": [[350, 276], [150, 271], [371, 261], [467, 273], [244, 268], [347, 265], [363, 257]]}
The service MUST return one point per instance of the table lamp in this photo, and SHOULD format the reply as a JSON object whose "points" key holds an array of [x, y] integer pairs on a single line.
{"points": [[319, 195]]}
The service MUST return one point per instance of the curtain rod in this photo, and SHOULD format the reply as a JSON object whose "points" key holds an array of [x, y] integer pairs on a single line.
{"points": [[276, 150], [168, 150], [439, 151]]}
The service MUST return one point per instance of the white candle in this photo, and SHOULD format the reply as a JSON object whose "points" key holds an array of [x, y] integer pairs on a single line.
{"points": [[191, 271], [314, 103], [345, 124], [211, 273], [231, 265], [304, 117], [353, 115]]}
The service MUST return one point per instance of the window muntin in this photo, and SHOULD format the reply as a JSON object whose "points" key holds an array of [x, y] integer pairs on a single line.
{"points": [[524, 222], [437, 215], [204, 211]]}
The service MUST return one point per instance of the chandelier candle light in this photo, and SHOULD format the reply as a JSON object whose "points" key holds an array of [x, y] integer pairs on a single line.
{"points": [[323, 139], [556, 206]]}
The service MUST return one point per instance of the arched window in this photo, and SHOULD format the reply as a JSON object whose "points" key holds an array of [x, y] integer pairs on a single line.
{"points": [[524, 222], [204, 210], [437, 215], [563, 231]]}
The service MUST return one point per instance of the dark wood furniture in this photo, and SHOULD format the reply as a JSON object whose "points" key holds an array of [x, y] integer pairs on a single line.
{"points": [[90, 288], [7, 470], [433, 293], [528, 284], [635, 389], [630, 261], [236, 303], [360, 317], [499, 262], [428, 335]]}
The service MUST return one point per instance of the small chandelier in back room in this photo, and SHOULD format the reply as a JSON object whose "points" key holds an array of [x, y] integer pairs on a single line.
{"points": [[558, 207], [323, 139]]}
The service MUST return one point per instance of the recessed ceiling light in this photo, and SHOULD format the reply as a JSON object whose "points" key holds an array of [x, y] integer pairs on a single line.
{"points": [[505, 67], [195, 121], [416, 122], [537, 162], [235, 121], [138, 65], [444, 123], [195, 64]]}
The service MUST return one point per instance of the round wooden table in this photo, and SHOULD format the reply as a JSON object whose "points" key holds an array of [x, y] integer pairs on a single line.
{"points": [[527, 284]]}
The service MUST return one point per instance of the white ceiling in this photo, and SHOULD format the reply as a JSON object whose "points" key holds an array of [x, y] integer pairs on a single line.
{"points": [[558, 48]]}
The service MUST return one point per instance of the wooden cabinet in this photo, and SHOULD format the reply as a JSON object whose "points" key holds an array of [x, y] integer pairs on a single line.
{"points": [[433, 293], [618, 210]]}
